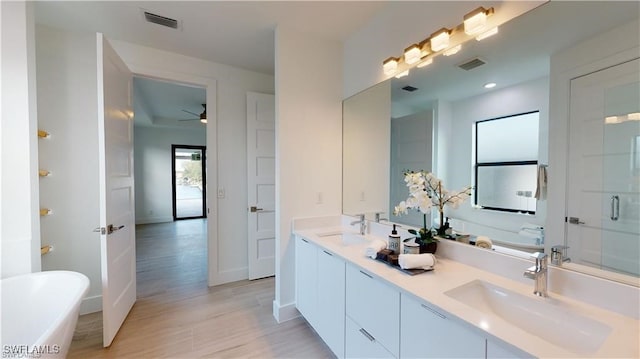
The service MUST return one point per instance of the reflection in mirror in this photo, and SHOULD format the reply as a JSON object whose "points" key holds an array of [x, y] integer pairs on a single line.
{"points": [[506, 163], [450, 95], [365, 157]]}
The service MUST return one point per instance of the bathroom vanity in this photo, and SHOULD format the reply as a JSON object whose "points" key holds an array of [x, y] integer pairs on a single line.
{"points": [[364, 308]]}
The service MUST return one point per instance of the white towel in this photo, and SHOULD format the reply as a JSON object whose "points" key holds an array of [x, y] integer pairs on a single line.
{"points": [[374, 247], [484, 242], [410, 261]]}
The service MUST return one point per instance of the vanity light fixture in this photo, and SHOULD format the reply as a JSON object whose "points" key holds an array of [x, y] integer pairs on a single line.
{"points": [[390, 65], [452, 51], [402, 74], [412, 54], [440, 39], [426, 62], [475, 24], [609, 120], [475, 21], [490, 85], [486, 34]]}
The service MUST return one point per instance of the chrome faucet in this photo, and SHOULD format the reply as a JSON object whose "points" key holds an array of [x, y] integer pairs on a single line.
{"points": [[362, 222], [378, 219], [559, 255], [539, 274]]}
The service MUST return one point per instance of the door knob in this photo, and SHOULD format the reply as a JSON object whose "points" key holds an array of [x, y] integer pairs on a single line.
{"points": [[255, 209], [111, 228], [575, 220]]}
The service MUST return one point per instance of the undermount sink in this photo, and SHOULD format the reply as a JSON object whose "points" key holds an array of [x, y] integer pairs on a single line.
{"points": [[344, 238], [546, 318]]}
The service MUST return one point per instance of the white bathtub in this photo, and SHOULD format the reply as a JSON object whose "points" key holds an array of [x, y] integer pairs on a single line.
{"points": [[40, 312]]}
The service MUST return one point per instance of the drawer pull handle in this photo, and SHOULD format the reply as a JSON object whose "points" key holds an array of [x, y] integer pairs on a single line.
{"points": [[304, 240], [367, 274], [328, 253], [433, 311], [366, 334]]}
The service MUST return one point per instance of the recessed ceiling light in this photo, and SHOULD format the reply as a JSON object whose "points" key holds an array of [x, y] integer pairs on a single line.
{"points": [[490, 85]]}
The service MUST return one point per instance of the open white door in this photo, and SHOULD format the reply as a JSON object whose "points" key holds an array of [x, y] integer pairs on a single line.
{"points": [[261, 165], [115, 129]]}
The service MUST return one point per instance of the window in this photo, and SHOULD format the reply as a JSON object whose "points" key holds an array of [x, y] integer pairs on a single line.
{"points": [[506, 163]]}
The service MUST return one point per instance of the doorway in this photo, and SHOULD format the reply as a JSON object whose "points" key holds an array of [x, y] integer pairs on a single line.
{"points": [[189, 181]]}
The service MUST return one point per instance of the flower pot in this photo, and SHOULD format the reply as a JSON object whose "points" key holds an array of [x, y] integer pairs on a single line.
{"points": [[429, 247]]}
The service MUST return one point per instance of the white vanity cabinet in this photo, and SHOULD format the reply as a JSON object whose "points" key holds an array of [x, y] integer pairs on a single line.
{"points": [[331, 301], [496, 349], [373, 315], [320, 292], [429, 333], [307, 280]]}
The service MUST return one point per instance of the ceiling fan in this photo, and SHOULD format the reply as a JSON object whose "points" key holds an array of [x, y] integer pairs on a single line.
{"points": [[202, 117]]}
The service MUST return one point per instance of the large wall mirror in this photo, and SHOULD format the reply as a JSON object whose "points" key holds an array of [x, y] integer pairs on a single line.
{"points": [[429, 119]]}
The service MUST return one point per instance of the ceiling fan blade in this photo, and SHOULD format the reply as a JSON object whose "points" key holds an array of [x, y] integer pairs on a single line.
{"points": [[191, 113]]}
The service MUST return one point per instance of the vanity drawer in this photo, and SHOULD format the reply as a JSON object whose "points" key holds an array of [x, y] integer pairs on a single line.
{"points": [[361, 344], [375, 306]]}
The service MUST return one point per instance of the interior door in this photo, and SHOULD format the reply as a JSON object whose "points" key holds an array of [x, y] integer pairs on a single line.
{"points": [[115, 129], [261, 165], [603, 225]]}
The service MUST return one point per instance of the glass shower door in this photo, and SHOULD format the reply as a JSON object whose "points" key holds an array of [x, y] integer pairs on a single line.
{"points": [[603, 201]]}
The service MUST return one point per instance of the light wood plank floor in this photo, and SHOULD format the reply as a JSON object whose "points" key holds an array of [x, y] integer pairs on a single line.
{"points": [[178, 316]]}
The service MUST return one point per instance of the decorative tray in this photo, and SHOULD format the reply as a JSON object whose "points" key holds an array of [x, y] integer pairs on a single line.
{"points": [[412, 271]]}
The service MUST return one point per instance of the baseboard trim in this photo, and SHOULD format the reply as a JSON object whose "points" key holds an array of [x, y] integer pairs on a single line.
{"points": [[91, 304], [284, 313], [151, 220]]}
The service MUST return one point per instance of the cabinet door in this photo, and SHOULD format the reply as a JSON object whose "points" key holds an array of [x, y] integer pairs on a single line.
{"points": [[428, 333], [306, 280], [331, 297], [497, 349], [375, 306], [361, 344]]}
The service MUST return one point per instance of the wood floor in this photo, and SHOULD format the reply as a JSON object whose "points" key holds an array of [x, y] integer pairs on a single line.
{"points": [[178, 316]]}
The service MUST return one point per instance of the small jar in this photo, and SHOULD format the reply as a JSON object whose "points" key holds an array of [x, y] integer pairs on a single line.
{"points": [[411, 248]]}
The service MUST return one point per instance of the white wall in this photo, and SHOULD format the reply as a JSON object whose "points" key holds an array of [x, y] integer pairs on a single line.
{"points": [[526, 97], [402, 23], [67, 103], [308, 144], [152, 159], [226, 145], [19, 221]]}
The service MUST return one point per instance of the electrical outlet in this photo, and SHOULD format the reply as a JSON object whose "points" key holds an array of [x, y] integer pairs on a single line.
{"points": [[319, 200], [362, 196], [221, 193]]}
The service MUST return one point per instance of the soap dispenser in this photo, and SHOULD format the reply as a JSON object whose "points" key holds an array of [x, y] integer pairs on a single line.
{"points": [[394, 240]]}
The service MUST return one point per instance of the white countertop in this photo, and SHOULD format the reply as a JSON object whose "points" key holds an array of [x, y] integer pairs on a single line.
{"points": [[449, 274]]}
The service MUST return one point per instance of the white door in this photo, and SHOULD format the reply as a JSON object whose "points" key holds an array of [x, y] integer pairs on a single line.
{"points": [[603, 227], [261, 172], [115, 128]]}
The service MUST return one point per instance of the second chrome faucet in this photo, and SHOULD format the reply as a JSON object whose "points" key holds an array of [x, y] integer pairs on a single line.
{"points": [[362, 222], [539, 274]]}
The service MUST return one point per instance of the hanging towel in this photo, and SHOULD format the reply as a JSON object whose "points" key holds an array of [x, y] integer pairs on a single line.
{"points": [[541, 189]]}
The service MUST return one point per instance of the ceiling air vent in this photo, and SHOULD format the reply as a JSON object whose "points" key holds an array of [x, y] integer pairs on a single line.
{"points": [[409, 88], [160, 20], [472, 64]]}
